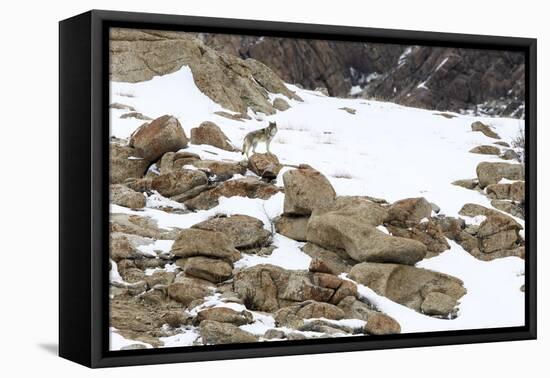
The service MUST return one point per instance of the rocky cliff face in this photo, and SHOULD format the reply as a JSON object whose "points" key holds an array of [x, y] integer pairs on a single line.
{"points": [[447, 79]]}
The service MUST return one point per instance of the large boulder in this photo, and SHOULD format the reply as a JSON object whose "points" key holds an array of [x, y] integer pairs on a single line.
{"points": [[293, 227], [164, 134], [264, 165], [353, 229], [305, 190], [178, 182], [428, 233], [242, 230], [175, 161], [125, 164], [246, 187], [195, 242], [124, 196], [498, 232], [407, 285], [491, 173], [213, 270], [211, 134], [382, 324], [213, 332], [234, 83]]}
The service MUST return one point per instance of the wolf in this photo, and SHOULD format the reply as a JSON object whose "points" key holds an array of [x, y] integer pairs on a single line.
{"points": [[265, 135]]}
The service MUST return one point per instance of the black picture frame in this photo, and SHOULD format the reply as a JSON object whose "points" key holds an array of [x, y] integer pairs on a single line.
{"points": [[84, 197]]}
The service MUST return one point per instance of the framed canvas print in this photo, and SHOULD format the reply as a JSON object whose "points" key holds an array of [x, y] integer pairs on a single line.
{"points": [[234, 188]]}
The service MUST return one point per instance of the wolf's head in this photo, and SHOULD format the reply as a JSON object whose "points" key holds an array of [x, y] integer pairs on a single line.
{"points": [[272, 128]]}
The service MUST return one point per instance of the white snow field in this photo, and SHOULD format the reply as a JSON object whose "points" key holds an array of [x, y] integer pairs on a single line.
{"points": [[384, 150]]}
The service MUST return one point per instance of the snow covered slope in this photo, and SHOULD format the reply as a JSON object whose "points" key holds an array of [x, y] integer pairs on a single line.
{"points": [[383, 150]]}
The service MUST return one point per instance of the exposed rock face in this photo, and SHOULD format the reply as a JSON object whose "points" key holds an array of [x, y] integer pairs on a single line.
{"points": [[154, 139], [210, 133], [406, 285], [268, 287], [245, 187], [235, 84], [292, 227], [225, 315], [195, 242], [265, 165], [463, 78], [125, 164], [486, 130], [178, 182], [350, 225], [124, 196], [305, 190], [243, 231], [491, 173], [213, 332]]}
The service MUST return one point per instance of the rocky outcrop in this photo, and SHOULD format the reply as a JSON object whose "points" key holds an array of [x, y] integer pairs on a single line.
{"points": [[453, 79], [264, 165], [491, 173], [210, 133], [243, 231], [154, 139], [245, 187], [124, 196], [305, 190], [234, 83], [407, 285]]}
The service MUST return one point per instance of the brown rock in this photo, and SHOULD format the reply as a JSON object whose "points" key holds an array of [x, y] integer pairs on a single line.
{"points": [[492, 173], [242, 230], [212, 270], [224, 315], [123, 196], [293, 316], [213, 332], [486, 150], [404, 284], [187, 289], [280, 104], [125, 164], [382, 324], [245, 187], [409, 211], [154, 139], [175, 161], [466, 183], [438, 304], [292, 227], [326, 261], [305, 190], [210, 133], [264, 165], [195, 242], [486, 130], [428, 233], [178, 182], [223, 170]]}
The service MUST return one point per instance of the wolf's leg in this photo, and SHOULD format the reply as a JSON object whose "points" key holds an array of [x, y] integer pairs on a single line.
{"points": [[254, 144], [267, 146]]}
